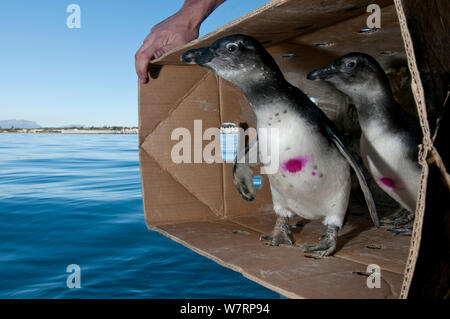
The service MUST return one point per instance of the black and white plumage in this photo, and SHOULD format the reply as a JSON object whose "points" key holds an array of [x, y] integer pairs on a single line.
{"points": [[313, 176], [390, 135]]}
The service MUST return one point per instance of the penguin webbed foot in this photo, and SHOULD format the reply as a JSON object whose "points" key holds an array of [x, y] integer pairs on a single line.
{"points": [[400, 218], [402, 230], [281, 234], [325, 247], [243, 180]]}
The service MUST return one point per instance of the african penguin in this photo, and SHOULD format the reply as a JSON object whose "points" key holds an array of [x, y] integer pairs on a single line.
{"points": [[390, 135], [313, 177]]}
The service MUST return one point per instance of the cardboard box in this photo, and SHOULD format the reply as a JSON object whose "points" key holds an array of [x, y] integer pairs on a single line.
{"points": [[197, 205]]}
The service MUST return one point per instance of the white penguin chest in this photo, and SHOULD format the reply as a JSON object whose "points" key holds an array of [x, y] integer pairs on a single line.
{"points": [[385, 157], [287, 143], [305, 170]]}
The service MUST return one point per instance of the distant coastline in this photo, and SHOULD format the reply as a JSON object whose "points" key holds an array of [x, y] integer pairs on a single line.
{"points": [[74, 130]]}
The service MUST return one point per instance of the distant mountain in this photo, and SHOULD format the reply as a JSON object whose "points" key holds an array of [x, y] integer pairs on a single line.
{"points": [[6, 124]]}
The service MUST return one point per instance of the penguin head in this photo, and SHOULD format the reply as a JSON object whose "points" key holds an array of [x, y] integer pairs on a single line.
{"points": [[354, 73], [237, 58]]}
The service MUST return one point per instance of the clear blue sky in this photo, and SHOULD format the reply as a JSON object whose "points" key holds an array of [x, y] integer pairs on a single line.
{"points": [[59, 76]]}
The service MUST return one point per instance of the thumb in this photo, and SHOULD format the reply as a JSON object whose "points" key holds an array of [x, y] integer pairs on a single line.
{"points": [[159, 52]]}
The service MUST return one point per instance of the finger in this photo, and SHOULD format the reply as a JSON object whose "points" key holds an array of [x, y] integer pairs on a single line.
{"points": [[140, 67], [141, 63], [142, 57]]}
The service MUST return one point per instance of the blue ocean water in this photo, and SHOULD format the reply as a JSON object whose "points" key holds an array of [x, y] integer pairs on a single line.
{"points": [[76, 199]]}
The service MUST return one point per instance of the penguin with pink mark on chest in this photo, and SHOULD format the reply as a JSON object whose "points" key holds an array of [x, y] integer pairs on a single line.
{"points": [[312, 179], [390, 135]]}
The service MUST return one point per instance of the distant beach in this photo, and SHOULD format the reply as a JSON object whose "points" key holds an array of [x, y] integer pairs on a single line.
{"points": [[91, 130]]}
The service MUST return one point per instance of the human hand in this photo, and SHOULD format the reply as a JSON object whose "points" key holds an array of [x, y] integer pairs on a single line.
{"points": [[175, 31]]}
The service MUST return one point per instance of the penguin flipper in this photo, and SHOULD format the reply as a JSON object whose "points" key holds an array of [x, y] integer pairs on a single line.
{"points": [[243, 173], [362, 180]]}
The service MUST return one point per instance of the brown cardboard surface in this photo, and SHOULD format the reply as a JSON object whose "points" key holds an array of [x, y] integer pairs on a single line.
{"points": [[201, 102], [279, 20], [346, 36], [285, 269], [358, 240], [197, 204]]}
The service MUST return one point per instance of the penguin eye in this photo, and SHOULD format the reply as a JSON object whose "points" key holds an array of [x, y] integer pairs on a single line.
{"points": [[232, 47], [351, 64]]}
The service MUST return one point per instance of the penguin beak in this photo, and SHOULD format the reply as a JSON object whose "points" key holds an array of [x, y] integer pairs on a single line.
{"points": [[199, 56], [322, 73]]}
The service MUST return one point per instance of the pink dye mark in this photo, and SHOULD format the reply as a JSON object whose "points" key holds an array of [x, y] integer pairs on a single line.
{"points": [[313, 173], [389, 182], [294, 164]]}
